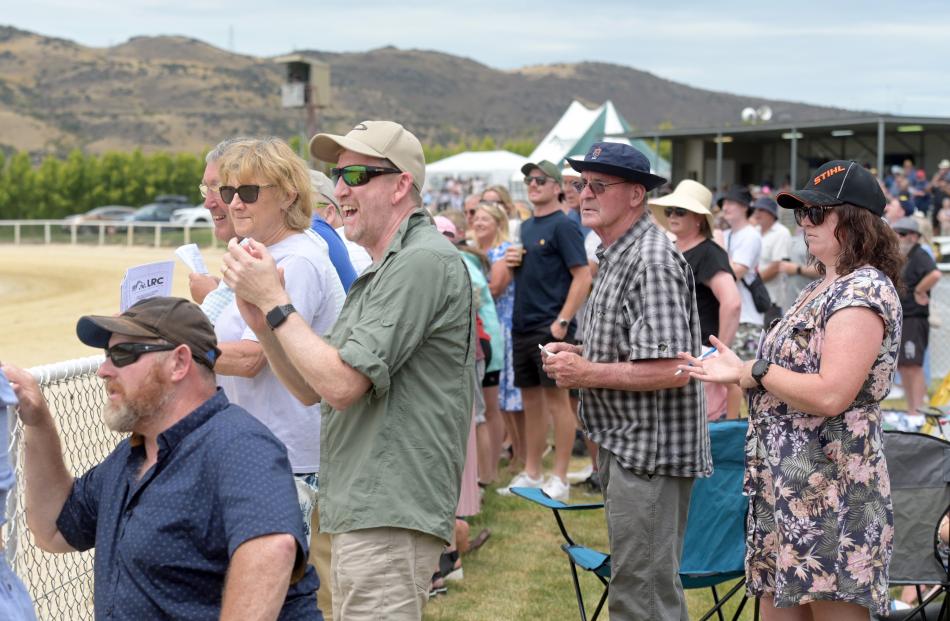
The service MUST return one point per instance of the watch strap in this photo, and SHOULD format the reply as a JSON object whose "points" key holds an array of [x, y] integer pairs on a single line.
{"points": [[278, 315]]}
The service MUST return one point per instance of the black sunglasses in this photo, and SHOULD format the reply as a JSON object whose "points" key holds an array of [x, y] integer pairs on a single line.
{"points": [[904, 233], [124, 354], [247, 193], [539, 180], [597, 187], [357, 174], [679, 212], [816, 214]]}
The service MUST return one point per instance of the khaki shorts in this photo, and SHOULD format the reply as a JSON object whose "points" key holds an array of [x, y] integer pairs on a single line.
{"points": [[382, 573]]}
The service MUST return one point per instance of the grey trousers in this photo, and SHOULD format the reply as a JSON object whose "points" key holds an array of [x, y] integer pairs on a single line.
{"points": [[646, 522]]}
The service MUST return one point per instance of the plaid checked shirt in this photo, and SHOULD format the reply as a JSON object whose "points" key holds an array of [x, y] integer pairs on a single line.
{"points": [[643, 307]]}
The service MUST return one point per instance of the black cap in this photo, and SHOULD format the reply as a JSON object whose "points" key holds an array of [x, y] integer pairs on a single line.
{"points": [[836, 183], [175, 320], [620, 160], [737, 193]]}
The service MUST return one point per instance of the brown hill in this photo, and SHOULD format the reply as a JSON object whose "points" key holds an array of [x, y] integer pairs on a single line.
{"points": [[181, 94]]}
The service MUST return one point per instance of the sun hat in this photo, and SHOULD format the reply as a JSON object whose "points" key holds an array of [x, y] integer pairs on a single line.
{"points": [[737, 193], [383, 139], [767, 204], [690, 195], [906, 224]]}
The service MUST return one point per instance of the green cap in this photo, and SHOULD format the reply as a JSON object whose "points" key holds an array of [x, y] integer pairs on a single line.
{"points": [[544, 166]]}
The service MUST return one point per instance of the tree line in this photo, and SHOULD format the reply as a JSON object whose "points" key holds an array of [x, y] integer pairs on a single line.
{"points": [[59, 187]]}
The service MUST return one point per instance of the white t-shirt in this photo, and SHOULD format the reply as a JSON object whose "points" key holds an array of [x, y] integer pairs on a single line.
{"points": [[775, 247], [317, 294], [744, 247]]}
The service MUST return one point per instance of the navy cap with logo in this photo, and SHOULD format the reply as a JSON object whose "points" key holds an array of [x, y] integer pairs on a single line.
{"points": [[620, 160], [836, 183]]}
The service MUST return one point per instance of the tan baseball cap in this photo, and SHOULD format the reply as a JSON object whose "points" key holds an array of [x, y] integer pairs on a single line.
{"points": [[384, 139]]}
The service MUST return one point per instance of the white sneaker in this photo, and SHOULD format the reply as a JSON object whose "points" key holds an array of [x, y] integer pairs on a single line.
{"points": [[557, 489], [521, 480], [579, 476]]}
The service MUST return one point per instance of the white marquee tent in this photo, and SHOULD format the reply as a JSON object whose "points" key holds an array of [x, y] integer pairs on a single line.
{"points": [[494, 167]]}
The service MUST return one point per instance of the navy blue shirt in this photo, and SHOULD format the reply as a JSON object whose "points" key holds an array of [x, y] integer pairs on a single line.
{"points": [[164, 542], [339, 256], [553, 245]]}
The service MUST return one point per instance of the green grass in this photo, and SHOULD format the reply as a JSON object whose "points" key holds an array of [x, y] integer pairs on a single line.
{"points": [[521, 572]]}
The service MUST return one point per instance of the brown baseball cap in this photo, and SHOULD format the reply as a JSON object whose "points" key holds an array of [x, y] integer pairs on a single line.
{"points": [[175, 320], [383, 139]]}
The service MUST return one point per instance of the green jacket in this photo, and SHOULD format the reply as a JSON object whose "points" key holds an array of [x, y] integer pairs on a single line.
{"points": [[394, 458]]}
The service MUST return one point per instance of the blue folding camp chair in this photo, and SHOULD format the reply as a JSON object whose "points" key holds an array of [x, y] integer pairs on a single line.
{"points": [[714, 544]]}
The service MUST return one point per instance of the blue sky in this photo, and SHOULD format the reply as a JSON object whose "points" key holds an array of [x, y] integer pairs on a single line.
{"points": [[867, 55]]}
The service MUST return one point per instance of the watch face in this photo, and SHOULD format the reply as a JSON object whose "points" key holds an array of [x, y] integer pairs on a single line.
{"points": [[759, 369]]}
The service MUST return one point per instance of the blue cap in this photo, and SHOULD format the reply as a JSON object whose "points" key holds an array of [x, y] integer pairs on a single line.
{"points": [[620, 160]]}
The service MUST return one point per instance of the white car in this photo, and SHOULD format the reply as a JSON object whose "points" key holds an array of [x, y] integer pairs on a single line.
{"points": [[191, 216]]}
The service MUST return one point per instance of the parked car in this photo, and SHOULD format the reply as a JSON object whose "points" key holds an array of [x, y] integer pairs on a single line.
{"points": [[99, 214], [191, 216], [161, 210]]}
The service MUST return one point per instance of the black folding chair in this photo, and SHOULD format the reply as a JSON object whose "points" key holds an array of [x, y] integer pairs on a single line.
{"points": [[919, 468]]}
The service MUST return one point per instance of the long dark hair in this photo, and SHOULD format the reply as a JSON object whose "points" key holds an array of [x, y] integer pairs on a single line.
{"points": [[866, 239]]}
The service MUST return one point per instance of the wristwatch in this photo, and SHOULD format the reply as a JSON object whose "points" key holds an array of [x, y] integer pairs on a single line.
{"points": [[759, 369], [279, 315], [563, 322]]}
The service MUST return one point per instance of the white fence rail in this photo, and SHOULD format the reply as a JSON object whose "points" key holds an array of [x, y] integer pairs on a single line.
{"points": [[102, 232]]}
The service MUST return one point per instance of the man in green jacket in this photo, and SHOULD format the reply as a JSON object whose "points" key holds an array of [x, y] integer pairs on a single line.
{"points": [[396, 374]]}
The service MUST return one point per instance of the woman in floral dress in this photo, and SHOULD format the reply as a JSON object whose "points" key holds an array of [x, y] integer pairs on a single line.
{"points": [[820, 522]]}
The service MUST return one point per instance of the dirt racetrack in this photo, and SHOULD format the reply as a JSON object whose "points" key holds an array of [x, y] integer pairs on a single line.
{"points": [[46, 288]]}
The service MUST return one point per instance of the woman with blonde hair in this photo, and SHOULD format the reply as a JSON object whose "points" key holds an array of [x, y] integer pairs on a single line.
{"points": [[490, 230], [499, 196], [267, 189]]}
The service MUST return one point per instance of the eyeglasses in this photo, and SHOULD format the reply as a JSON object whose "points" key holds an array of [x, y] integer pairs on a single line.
{"points": [[124, 354], [597, 187], [538, 180], [247, 193], [904, 233], [815, 214], [357, 174], [679, 212], [470, 212], [204, 189]]}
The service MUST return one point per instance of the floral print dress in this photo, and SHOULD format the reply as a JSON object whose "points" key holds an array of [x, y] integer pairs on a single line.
{"points": [[509, 396], [820, 522]]}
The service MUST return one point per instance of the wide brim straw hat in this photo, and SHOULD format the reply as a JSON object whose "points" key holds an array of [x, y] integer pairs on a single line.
{"points": [[689, 195]]}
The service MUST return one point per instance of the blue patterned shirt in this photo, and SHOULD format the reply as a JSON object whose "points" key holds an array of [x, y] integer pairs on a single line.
{"points": [[164, 541]]}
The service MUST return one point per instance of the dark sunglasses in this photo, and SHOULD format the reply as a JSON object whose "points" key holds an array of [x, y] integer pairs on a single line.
{"points": [[904, 233], [815, 214], [538, 180], [247, 193], [597, 187], [470, 212], [357, 174], [124, 354], [679, 212]]}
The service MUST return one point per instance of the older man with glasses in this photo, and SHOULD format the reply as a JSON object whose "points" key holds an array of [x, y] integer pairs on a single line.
{"points": [[192, 516], [649, 422], [552, 280], [396, 374]]}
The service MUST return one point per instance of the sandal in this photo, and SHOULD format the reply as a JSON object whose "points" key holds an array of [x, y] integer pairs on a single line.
{"points": [[480, 540], [437, 586], [447, 568]]}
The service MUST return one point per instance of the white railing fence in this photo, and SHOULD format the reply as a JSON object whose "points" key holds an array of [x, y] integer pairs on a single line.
{"points": [[102, 233]]}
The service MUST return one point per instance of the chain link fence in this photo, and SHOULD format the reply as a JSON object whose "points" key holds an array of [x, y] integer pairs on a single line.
{"points": [[61, 585]]}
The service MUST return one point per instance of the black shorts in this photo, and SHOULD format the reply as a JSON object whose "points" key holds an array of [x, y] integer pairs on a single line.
{"points": [[526, 357], [914, 338], [491, 379]]}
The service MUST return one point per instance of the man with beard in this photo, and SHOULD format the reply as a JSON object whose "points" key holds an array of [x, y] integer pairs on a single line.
{"points": [[920, 275], [194, 516]]}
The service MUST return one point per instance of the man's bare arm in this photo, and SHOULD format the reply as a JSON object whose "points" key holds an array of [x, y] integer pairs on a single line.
{"points": [[258, 578]]}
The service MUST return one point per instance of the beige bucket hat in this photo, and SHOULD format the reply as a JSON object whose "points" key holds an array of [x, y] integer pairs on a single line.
{"points": [[689, 195]]}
